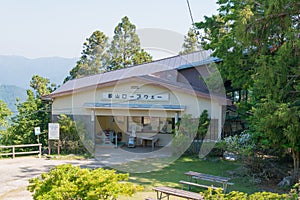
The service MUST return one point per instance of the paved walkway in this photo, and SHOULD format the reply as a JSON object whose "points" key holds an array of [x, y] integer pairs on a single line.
{"points": [[16, 172]]}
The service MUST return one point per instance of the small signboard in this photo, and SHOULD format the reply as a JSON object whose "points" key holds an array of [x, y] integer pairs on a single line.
{"points": [[37, 130], [136, 97], [53, 131]]}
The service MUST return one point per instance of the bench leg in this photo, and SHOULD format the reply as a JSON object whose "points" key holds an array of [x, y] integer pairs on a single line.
{"points": [[157, 195], [224, 187], [190, 180]]}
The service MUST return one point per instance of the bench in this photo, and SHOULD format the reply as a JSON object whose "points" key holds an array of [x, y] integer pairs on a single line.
{"points": [[207, 177], [167, 191], [197, 185]]}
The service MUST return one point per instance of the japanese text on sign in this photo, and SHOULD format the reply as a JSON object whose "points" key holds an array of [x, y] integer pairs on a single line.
{"points": [[138, 96], [53, 131]]}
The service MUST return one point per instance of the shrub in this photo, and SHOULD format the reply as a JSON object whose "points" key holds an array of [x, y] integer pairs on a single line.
{"points": [[70, 139], [243, 145], [72, 182], [236, 195]]}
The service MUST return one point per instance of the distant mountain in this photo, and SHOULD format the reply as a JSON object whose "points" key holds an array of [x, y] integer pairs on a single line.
{"points": [[9, 94], [18, 70]]}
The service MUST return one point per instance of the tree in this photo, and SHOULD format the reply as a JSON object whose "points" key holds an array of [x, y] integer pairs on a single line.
{"points": [[221, 36], [99, 56], [259, 44], [190, 132], [31, 113], [41, 85], [71, 142], [94, 56], [5, 113], [72, 182], [125, 48], [275, 36], [203, 125], [191, 43]]}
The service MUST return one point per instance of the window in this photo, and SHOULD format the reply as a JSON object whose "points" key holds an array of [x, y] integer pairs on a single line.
{"points": [[151, 124]]}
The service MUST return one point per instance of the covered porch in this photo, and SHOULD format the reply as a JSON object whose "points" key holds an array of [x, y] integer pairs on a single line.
{"points": [[149, 127]]}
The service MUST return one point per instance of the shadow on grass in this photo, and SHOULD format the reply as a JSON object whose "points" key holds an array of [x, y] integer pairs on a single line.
{"points": [[171, 174]]}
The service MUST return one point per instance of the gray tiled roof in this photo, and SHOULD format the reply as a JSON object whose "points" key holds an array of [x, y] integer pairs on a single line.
{"points": [[175, 62]]}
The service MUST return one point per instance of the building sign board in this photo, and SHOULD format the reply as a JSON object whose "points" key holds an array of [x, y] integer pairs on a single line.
{"points": [[135, 97], [53, 131]]}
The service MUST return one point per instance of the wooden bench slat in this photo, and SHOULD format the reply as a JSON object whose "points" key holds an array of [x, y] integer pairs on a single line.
{"points": [[207, 176], [198, 185], [178, 192]]}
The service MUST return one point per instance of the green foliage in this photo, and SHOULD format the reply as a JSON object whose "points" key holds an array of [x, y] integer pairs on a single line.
{"points": [[242, 144], [203, 125], [31, 113], [214, 81], [276, 113], [99, 56], [221, 36], [125, 47], [69, 137], [191, 43], [190, 129], [5, 114], [41, 86], [236, 195], [188, 126], [185, 134], [141, 57], [94, 56], [72, 182], [259, 44]]}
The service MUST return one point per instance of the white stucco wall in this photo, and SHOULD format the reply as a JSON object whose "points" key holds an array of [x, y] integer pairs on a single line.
{"points": [[73, 104]]}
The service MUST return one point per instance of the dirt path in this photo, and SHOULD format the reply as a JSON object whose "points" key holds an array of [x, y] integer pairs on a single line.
{"points": [[16, 172]]}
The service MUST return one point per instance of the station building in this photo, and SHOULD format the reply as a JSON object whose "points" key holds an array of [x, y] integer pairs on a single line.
{"points": [[147, 99]]}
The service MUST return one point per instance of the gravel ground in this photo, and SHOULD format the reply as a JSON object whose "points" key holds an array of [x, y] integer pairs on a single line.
{"points": [[16, 172]]}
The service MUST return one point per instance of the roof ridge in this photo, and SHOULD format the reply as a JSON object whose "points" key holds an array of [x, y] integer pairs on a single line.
{"points": [[159, 60]]}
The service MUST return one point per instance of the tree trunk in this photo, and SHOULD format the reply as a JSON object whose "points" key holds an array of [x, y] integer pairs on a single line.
{"points": [[296, 157]]}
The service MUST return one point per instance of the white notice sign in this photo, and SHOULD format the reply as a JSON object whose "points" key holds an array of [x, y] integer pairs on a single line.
{"points": [[37, 130], [53, 131]]}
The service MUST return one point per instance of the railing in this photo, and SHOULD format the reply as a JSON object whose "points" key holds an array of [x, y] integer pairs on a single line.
{"points": [[14, 153]]}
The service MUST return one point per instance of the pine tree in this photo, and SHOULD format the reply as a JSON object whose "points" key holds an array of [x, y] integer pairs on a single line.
{"points": [[31, 113], [259, 44], [94, 57], [99, 56], [191, 43], [125, 48]]}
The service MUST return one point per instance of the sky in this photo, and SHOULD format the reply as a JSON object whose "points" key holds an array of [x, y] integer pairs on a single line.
{"points": [[48, 28]]}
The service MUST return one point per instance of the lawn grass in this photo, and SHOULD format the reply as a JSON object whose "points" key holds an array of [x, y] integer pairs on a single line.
{"points": [[174, 172]]}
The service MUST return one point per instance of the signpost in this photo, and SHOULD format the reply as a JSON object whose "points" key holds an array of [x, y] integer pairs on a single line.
{"points": [[37, 132], [53, 134]]}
